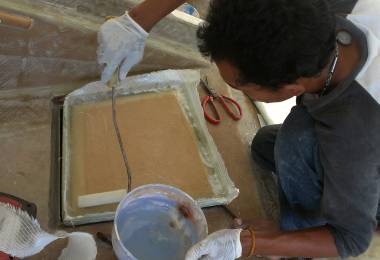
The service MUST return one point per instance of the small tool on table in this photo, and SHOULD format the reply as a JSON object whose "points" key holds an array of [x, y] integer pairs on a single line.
{"points": [[231, 106]]}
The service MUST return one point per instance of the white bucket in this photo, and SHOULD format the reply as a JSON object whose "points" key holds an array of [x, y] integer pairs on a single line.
{"points": [[157, 222]]}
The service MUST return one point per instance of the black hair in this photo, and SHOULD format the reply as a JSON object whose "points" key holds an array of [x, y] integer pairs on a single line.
{"points": [[271, 42]]}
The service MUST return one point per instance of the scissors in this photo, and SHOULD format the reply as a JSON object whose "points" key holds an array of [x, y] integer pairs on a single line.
{"points": [[230, 105]]}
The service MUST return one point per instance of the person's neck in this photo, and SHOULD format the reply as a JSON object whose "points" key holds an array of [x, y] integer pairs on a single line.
{"points": [[347, 63], [349, 58]]}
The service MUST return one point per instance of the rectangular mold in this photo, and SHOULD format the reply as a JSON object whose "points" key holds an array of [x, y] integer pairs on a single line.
{"points": [[184, 84]]}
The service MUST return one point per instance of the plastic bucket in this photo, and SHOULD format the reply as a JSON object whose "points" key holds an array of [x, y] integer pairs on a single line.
{"points": [[157, 222]]}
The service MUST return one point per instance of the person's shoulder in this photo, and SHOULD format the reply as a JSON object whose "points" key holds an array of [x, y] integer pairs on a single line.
{"points": [[361, 112], [361, 99], [353, 111]]}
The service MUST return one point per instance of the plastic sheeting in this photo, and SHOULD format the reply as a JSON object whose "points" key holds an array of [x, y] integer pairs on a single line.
{"points": [[61, 45]]}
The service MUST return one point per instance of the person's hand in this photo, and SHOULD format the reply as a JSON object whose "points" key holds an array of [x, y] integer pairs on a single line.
{"points": [[221, 245], [121, 43]]}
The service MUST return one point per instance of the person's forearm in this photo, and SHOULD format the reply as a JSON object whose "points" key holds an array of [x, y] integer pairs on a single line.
{"points": [[316, 242], [149, 12]]}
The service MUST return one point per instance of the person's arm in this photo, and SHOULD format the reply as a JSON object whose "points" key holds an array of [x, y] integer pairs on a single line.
{"points": [[235, 243], [149, 12], [122, 39], [315, 242]]}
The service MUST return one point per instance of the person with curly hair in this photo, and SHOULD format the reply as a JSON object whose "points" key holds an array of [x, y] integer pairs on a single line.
{"points": [[326, 154]]}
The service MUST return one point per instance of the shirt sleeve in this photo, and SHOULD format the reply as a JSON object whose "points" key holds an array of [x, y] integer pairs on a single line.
{"points": [[350, 160]]}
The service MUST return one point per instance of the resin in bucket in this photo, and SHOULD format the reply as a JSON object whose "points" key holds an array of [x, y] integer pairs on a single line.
{"points": [[157, 222]]}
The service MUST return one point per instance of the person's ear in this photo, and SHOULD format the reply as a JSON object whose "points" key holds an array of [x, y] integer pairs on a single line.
{"points": [[294, 90]]}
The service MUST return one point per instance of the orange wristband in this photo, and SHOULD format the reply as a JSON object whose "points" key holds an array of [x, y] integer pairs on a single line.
{"points": [[253, 237]]}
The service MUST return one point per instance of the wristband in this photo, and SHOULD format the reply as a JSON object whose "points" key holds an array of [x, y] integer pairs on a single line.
{"points": [[253, 237]]}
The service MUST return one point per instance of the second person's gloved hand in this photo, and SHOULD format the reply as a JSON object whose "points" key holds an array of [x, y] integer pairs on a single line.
{"points": [[221, 245], [121, 43]]}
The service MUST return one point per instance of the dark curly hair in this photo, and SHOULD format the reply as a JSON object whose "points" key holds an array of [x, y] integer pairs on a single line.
{"points": [[271, 42]]}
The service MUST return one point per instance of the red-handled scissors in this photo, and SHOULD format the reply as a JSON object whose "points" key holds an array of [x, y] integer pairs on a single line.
{"points": [[231, 106]]}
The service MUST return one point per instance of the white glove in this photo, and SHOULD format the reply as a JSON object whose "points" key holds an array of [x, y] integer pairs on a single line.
{"points": [[121, 43], [221, 245]]}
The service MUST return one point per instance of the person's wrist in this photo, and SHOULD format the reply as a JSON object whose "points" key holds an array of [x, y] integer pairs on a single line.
{"points": [[133, 14], [126, 21], [246, 242]]}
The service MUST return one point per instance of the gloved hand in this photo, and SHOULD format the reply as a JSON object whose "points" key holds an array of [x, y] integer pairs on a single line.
{"points": [[221, 245], [121, 43]]}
